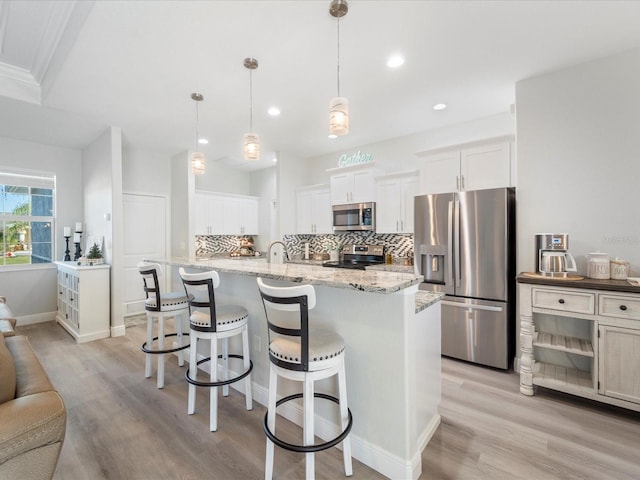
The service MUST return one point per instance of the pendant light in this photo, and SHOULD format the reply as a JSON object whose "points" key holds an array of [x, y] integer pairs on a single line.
{"points": [[197, 158], [338, 106], [251, 141]]}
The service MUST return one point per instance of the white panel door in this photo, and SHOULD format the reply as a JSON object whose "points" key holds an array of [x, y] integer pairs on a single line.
{"points": [[145, 233]]}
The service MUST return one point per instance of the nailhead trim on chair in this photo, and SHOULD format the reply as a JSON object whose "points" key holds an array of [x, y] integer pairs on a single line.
{"points": [[150, 302], [228, 322], [315, 359]]}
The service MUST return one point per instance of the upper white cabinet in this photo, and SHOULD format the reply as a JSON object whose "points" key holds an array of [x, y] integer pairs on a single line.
{"points": [[395, 197], [476, 167], [313, 210], [352, 186], [222, 214]]}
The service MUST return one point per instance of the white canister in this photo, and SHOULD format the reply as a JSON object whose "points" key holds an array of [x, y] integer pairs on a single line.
{"points": [[619, 269], [598, 266]]}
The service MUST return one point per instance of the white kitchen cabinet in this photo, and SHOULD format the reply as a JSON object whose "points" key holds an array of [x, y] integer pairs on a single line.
{"points": [[223, 214], [394, 202], [208, 212], [83, 300], [582, 341], [476, 167], [313, 210], [619, 362], [352, 186]]}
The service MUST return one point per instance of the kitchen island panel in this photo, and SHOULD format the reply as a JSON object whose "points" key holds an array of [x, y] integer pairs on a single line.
{"points": [[392, 362]]}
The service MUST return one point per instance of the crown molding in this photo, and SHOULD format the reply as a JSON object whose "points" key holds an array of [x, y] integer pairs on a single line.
{"points": [[19, 83]]}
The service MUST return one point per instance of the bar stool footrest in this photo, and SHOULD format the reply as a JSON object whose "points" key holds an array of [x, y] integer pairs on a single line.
{"points": [[145, 349], [307, 448], [218, 383]]}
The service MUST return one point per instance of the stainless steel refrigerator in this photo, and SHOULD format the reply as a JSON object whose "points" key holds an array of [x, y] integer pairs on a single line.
{"points": [[464, 245]]}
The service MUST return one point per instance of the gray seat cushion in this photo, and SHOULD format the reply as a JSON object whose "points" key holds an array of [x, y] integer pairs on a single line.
{"points": [[323, 345], [228, 317]]}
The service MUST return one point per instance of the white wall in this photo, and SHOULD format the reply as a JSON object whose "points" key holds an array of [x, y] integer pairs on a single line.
{"points": [[264, 185], [182, 223], [103, 216], [32, 292], [579, 159], [219, 178], [292, 173], [399, 154], [145, 172]]}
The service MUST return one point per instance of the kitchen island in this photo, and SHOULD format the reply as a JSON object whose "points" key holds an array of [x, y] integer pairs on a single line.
{"points": [[392, 336]]}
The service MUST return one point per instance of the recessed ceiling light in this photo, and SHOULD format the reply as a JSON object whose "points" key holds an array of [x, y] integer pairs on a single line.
{"points": [[332, 136], [395, 61], [274, 111], [440, 106], [203, 141], [275, 159]]}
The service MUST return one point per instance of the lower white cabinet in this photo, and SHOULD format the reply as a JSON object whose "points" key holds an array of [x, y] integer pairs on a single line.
{"points": [[582, 341], [619, 362], [84, 300]]}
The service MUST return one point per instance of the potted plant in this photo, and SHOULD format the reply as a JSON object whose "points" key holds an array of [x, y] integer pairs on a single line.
{"points": [[94, 257]]}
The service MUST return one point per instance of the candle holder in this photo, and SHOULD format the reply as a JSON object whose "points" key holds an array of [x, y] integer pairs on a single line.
{"points": [[67, 257], [78, 253]]}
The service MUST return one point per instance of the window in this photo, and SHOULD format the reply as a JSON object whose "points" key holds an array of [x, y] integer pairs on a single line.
{"points": [[26, 218]]}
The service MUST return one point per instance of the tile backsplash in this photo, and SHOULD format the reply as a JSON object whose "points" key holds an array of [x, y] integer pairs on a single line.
{"points": [[396, 244], [210, 244]]}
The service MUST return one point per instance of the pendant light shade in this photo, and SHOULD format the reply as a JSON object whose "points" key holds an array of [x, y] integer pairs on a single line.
{"points": [[197, 158], [338, 106], [251, 141], [197, 163], [251, 146], [338, 116]]}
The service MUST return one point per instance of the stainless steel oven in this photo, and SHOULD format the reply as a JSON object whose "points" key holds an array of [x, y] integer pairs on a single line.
{"points": [[354, 217]]}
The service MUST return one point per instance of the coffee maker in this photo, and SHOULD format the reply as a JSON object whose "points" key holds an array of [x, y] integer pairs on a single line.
{"points": [[552, 255]]}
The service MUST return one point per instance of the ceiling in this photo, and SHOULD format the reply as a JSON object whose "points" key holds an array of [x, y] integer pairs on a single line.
{"points": [[69, 69]]}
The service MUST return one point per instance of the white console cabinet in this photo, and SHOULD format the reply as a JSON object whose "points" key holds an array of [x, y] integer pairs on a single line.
{"points": [[84, 300], [584, 341]]}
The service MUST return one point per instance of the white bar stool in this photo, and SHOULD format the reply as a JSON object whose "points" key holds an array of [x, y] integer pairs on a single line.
{"points": [[212, 322], [302, 354], [158, 305]]}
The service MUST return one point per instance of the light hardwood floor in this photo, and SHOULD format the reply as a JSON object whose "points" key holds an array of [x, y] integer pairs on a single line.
{"points": [[120, 426]]}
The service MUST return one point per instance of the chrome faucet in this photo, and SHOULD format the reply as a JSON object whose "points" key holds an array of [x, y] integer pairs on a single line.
{"points": [[286, 253]]}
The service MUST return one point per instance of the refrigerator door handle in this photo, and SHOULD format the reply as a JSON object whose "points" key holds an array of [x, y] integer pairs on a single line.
{"points": [[449, 267], [456, 239], [488, 308]]}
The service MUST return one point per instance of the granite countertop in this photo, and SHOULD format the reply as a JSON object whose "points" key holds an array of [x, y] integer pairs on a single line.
{"points": [[360, 280], [391, 268], [426, 299], [586, 283]]}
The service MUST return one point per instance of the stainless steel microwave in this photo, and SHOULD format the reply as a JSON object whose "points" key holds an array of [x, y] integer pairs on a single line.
{"points": [[356, 217]]}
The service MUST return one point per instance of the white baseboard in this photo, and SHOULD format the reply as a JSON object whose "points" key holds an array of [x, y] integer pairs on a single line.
{"points": [[118, 331], [36, 318], [371, 455]]}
